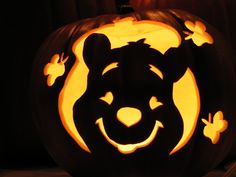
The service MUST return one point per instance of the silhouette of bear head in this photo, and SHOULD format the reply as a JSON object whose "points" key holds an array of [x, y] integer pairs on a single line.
{"points": [[129, 91]]}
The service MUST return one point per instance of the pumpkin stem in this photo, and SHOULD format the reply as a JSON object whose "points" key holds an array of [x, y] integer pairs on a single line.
{"points": [[124, 7]]}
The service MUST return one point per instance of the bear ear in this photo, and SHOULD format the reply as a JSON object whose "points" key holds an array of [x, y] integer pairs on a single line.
{"points": [[175, 62], [96, 49]]}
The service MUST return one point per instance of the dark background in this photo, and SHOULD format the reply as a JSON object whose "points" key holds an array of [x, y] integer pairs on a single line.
{"points": [[26, 24]]}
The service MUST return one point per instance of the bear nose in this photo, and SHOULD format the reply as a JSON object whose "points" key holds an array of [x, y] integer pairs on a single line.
{"points": [[129, 116]]}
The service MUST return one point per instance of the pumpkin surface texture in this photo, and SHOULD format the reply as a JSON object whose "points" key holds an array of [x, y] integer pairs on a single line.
{"points": [[143, 94]]}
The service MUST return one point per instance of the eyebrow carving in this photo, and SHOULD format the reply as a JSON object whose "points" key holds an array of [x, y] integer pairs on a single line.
{"points": [[156, 71], [110, 67]]}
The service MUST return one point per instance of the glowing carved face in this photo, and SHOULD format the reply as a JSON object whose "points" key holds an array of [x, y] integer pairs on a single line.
{"points": [[149, 95]]}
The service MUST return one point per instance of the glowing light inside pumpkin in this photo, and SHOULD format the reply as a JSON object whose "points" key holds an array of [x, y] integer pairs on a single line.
{"points": [[159, 36], [54, 69], [130, 148], [213, 128], [154, 103], [110, 67], [129, 116], [156, 70], [67, 97], [187, 99], [120, 33], [199, 35], [108, 98]]}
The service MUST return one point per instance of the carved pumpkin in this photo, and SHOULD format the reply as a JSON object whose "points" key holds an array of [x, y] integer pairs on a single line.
{"points": [[149, 93]]}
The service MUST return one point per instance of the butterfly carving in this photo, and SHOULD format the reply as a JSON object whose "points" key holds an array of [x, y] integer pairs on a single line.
{"points": [[199, 35], [213, 128], [55, 68]]}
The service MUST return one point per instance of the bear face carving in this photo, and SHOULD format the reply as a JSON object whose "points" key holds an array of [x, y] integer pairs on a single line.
{"points": [[131, 79]]}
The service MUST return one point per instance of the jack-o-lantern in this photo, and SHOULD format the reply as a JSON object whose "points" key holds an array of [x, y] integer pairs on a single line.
{"points": [[149, 94]]}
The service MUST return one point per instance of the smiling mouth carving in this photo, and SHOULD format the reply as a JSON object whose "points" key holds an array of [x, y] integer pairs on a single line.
{"points": [[129, 148]]}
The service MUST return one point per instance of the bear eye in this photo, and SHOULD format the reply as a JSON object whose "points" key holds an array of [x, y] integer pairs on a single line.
{"points": [[156, 71], [154, 103], [108, 98], [110, 67]]}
